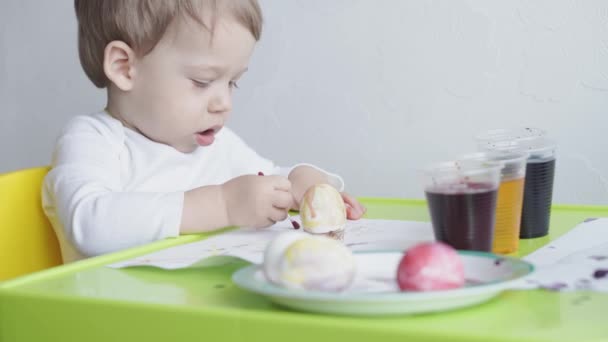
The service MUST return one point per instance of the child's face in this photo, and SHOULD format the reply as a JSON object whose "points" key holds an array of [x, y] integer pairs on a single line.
{"points": [[182, 90]]}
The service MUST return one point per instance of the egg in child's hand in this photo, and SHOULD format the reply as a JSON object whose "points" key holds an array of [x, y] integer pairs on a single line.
{"points": [[430, 266], [301, 261], [323, 212]]}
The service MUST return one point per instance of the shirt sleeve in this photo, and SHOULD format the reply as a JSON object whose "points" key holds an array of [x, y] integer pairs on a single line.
{"points": [[332, 179], [244, 160], [85, 196]]}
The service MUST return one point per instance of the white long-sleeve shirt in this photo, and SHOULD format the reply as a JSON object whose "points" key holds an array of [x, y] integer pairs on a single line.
{"points": [[111, 188]]}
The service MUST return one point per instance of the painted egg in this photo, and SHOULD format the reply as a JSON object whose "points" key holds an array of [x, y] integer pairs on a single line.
{"points": [[430, 266], [322, 211], [301, 261]]}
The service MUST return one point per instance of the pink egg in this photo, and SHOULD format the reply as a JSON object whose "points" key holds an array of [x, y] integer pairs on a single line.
{"points": [[430, 266]]}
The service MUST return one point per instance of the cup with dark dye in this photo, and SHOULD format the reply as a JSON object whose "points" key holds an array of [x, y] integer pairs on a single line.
{"points": [[540, 173], [461, 197], [510, 197]]}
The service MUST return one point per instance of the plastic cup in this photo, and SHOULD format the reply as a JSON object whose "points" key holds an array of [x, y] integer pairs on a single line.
{"points": [[538, 191], [461, 197], [506, 139], [510, 197], [540, 174]]}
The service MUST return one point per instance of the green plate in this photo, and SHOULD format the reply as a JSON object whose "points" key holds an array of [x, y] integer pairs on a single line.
{"points": [[375, 291]]}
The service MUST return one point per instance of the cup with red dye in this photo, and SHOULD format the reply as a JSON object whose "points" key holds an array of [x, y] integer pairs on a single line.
{"points": [[461, 197]]}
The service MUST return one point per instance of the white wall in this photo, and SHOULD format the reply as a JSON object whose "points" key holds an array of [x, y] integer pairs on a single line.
{"points": [[371, 89], [41, 82]]}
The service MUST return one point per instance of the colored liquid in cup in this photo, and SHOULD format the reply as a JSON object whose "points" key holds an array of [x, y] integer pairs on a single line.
{"points": [[510, 196], [463, 214], [508, 216], [538, 193]]}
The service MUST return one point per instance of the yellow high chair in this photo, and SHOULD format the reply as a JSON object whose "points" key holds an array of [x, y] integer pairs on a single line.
{"points": [[27, 240]]}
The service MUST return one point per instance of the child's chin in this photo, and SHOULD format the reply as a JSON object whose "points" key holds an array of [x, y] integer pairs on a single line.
{"points": [[186, 148]]}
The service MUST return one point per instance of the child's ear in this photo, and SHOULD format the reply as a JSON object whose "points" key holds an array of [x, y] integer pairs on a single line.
{"points": [[119, 64]]}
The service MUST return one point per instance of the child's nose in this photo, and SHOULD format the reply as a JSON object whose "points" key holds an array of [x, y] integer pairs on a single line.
{"points": [[220, 103]]}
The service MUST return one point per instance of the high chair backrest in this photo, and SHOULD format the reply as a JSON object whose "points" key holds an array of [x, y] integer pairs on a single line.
{"points": [[27, 240]]}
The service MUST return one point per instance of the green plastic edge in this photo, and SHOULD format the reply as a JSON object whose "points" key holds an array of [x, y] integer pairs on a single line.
{"points": [[155, 246], [422, 202], [107, 258]]}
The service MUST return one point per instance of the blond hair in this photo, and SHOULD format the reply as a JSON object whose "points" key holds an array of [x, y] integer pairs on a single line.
{"points": [[142, 23]]}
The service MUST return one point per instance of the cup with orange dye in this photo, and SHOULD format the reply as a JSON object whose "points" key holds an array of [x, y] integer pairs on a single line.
{"points": [[509, 199], [540, 173]]}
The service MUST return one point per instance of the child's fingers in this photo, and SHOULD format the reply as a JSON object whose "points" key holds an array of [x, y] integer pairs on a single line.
{"points": [[360, 207], [280, 183], [264, 223], [349, 212], [278, 214], [353, 214], [349, 201], [283, 200], [354, 209]]}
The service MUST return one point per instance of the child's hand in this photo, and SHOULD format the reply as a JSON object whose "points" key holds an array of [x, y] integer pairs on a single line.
{"points": [[354, 209], [253, 201]]}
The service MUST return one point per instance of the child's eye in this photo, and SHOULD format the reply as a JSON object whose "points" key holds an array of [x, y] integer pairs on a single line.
{"points": [[233, 84], [201, 84]]}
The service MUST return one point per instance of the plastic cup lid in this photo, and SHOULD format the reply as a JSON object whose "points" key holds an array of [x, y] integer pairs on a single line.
{"points": [[495, 135]]}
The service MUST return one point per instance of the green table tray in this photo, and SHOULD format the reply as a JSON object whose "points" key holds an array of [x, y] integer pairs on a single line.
{"points": [[86, 301]]}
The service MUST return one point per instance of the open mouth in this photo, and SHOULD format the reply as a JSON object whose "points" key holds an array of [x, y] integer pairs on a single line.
{"points": [[207, 137]]}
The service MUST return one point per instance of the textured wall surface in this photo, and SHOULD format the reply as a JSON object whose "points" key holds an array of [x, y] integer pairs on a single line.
{"points": [[371, 89]]}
